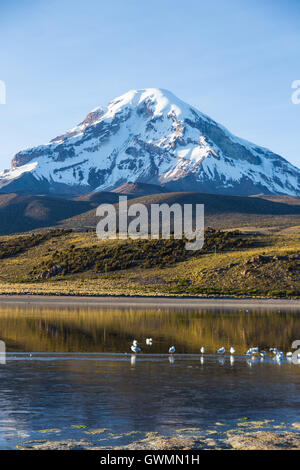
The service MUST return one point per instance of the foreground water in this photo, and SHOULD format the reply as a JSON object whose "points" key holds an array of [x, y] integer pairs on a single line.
{"points": [[70, 380]]}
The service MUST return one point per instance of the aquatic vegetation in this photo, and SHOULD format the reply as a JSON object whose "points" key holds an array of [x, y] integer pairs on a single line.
{"points": [[263, 440], [188, 438], [97, 431], [67, 444], [255, 424], [44, 431]]}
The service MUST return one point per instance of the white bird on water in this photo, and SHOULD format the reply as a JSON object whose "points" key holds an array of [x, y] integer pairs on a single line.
{"points": [[274, 351], [279, 356], [221, 350], [202, 350], [134, 348], [149, 341], [232, 350], [172, 350], [252, 351]]}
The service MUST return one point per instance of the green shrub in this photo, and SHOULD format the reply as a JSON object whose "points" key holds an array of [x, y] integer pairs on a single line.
{"points": [[20, 244], [144, 253]]}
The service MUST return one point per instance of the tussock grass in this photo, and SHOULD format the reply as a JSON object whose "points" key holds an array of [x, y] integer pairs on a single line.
{"points": [[269, 267]]}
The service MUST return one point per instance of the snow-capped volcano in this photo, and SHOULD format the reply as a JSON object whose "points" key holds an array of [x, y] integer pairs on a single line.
{"points": [[150, 136]]}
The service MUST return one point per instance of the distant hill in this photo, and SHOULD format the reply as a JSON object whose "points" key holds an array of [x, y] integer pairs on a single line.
{"points": [[220, 211], [282, 198], [98, 197], [21, 213], [139, 189]]}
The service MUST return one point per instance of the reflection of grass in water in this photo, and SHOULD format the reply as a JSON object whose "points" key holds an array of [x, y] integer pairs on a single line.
{"points": [[112, 330]]}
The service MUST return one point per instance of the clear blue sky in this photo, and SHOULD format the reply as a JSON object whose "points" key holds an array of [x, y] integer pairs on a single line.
{"points": [[233, 59]]}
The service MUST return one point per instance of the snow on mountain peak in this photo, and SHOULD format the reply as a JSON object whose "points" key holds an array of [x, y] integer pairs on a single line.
{"points": [[150, 135]]}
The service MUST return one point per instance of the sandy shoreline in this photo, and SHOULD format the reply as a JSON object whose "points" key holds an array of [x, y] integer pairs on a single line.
{"points": [[146, 302]]}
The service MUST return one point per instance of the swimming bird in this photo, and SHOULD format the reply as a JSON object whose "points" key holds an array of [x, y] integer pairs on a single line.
{"points": [[135, 349], [232, 350], [202, 350], [149, 341], [279, 355], [172, 350], [274, 351], [221, 350], [252, 351]]}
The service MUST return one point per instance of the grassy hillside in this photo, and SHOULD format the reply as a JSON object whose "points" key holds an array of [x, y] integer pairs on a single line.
{"points": [[261, 259], [254, 263]]}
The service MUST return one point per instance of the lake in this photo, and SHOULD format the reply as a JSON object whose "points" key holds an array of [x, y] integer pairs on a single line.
{"points": [[70, 380]]}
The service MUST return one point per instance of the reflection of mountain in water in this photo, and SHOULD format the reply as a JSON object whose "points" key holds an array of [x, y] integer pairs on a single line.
{"points": [[112, 330]]}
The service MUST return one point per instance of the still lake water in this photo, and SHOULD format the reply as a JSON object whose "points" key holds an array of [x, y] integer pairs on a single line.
{"points": [[70, 371]]}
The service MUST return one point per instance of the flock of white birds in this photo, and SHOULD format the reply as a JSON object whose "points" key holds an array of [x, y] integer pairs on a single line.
{"points": [[254, 351]]}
